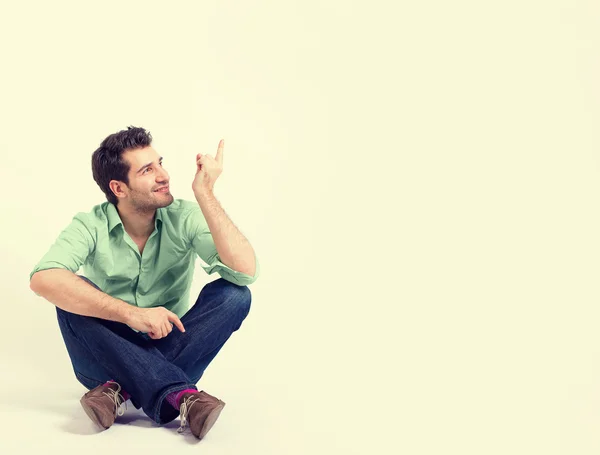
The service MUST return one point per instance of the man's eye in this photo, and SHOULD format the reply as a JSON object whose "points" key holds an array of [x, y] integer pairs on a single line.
{"points": [[151, 167]]}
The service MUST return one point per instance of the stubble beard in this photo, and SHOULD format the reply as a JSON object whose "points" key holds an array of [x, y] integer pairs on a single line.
{"points": [[155, 201]]}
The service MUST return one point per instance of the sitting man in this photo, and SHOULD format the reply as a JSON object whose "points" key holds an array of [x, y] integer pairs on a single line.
{"points": [[117, 321]]}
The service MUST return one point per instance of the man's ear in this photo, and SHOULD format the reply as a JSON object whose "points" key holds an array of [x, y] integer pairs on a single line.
{"points": [[117, 188]]}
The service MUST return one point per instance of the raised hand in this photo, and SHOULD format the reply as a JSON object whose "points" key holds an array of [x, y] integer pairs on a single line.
{"points": [[208, 170]]}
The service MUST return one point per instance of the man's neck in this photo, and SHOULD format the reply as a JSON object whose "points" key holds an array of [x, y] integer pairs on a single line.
{"points": [[138, 224]]}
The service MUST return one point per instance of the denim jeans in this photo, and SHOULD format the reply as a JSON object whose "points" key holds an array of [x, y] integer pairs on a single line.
{"points": [[102, 350]]}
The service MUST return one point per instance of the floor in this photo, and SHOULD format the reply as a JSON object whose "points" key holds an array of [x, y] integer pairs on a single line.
{"points": [[273, 404], [257, 418]]}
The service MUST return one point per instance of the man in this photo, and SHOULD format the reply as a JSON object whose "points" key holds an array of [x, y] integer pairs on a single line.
{"points": [[138, 252]]}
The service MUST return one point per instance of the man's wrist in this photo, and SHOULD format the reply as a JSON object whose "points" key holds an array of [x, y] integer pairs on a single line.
{"points": [[127, 313], [202, 193]]}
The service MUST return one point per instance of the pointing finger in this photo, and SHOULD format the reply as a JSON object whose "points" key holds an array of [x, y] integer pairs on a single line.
{"points": [[219, 156], [175, 320]]}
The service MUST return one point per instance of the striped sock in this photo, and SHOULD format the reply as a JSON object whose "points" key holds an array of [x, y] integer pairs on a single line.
{"points": [[174, 397], [124, 394]]}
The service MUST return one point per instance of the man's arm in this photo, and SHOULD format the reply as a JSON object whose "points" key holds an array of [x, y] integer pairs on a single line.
{"points": [[69, 292], [233, 248], [55, 279]]}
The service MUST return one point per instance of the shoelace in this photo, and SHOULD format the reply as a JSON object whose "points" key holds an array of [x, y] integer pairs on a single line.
{"points": [[117, 399], [184, 410]]}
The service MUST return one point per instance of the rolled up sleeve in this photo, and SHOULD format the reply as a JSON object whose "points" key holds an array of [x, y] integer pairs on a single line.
{"points": [[200, 239], [71, 249]]}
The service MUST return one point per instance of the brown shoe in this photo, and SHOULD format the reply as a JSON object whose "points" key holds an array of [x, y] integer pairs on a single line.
{"points": [[200, 411], [103, 404]]}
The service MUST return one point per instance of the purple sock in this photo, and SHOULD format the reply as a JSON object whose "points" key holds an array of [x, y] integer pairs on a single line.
{"points": [[124, 394], [174, 397]]}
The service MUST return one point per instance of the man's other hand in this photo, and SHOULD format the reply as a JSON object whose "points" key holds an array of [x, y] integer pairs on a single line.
{"points": [[156, 322]]}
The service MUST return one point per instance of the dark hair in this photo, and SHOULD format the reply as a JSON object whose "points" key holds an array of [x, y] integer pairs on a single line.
{"points": [[107, 160]]}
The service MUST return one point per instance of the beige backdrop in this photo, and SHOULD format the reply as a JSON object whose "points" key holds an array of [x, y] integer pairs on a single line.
{"points": [[420, 182]]}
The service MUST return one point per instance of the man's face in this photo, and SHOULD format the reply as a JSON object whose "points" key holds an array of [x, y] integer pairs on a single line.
{"points": [[146, 175]]}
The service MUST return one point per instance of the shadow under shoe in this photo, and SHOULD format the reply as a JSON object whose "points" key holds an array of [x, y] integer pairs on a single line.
{"points": [[103, 404], [200, 411]]}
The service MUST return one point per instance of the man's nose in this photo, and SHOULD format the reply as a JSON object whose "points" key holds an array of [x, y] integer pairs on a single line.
{"points": [[163, 175]]}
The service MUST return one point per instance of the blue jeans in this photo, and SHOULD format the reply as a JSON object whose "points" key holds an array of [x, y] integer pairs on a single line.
{"points": [[102, 350]]}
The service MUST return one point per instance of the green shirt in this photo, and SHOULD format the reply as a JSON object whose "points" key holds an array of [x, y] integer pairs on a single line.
{"points": [[161, 275]]}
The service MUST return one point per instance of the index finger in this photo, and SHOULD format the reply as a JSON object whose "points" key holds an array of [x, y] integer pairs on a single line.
{"points": [[175, 320], [219, 155]]}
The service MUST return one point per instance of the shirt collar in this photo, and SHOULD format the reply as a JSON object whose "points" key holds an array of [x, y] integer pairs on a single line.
{"points": [[114, 219]]}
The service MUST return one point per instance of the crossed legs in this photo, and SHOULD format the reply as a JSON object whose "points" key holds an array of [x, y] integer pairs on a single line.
{"points": [[148, 369]]}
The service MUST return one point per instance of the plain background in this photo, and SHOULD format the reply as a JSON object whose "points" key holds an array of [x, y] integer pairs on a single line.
{"points": [[419, 181]]}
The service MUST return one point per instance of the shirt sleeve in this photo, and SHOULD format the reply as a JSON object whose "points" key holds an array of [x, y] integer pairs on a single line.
{"points": [[200, 239], [72, 247]]}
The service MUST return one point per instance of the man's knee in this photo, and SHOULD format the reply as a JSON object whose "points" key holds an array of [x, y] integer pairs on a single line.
{"points": [[234, 299], [238, 298]]}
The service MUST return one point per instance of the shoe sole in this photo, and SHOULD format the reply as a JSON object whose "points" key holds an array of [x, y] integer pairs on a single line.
{"points": [[211, 419], [91, 414]]}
